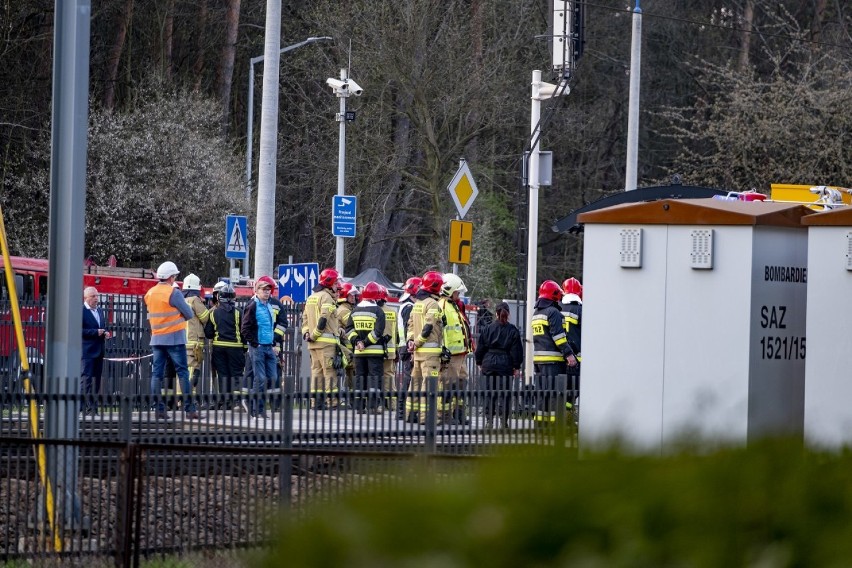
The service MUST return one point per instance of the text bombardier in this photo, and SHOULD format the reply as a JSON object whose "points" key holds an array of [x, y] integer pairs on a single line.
{"points": [[786, 274]]}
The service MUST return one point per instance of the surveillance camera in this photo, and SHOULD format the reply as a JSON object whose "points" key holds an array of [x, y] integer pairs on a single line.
{"points": [[336, 84], [355, 88]]}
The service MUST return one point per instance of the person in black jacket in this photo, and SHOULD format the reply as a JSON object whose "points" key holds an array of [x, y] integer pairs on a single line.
{"points": [[499, 354]]}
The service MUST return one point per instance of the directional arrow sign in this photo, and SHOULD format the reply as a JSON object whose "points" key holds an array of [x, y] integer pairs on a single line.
{"points": [[297, 280], [463, 189], [235, 237]]}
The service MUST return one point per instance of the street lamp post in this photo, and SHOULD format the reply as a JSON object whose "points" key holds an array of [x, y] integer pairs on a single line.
{"points": [[250, 121], [263, 254]]}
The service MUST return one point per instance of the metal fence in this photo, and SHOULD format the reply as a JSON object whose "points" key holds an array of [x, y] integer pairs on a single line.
{"points": [[126, 483], [130, 501]]}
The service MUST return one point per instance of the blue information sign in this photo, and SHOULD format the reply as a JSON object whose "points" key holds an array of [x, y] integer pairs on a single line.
{"points": [[297, 280], [344, 209], [235, 237]]}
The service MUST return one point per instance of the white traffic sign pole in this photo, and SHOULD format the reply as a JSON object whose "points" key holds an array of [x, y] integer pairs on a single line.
{"points": [[540, 91]]}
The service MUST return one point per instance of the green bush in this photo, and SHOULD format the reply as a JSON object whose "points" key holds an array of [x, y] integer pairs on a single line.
{"points": [[771, 505]]}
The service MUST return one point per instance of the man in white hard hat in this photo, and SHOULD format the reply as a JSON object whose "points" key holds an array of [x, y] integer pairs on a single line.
{"points": [[195, 327], [168, 313]]}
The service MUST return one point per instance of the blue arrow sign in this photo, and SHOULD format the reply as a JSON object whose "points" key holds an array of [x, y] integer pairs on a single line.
{"points": [[344, 209], [297, 280], [235, 237]]}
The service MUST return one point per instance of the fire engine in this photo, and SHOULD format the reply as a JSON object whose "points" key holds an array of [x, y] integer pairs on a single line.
{"points": [[31, 282]]}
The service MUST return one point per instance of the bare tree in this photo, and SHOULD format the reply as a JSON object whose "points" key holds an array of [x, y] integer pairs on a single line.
{"points": [[225, 72], [122, 22]]}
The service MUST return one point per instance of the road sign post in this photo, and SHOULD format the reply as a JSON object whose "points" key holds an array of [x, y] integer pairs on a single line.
{"points": [[344, 209], [297, 280]]}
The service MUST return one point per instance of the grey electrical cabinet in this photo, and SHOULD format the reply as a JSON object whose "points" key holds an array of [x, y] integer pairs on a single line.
{"points": [[693, 322]]}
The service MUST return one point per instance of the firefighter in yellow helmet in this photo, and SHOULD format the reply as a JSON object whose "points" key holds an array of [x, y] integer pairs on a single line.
{"points": [[425, 340], [321, 329], [195, 337], [458, 343]]}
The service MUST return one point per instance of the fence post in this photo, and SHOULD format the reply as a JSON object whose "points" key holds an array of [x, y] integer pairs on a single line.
{"points": [[285, 462], [125, 416], [125, 507], [431, 414], [561, 413]]}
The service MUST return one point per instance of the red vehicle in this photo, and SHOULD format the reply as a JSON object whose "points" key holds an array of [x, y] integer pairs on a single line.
{"points": [[31, 283]]}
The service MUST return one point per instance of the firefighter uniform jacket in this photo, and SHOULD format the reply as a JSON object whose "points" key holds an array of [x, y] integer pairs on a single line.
{"points": [[550, 345], [367, 325], [343, 313], [456, 331], [319, 320], [223, 327], [402, 328], [195, 326], [426, 326], [573, 318], [390, 332]]}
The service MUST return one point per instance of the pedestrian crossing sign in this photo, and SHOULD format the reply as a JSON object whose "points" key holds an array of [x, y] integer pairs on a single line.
{"points": [[235, 237]]}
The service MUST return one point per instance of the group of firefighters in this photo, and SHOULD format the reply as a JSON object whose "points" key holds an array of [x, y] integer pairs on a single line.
{"points": [[355, 340]]}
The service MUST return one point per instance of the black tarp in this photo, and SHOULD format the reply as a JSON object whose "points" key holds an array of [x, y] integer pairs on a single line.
{"points": [[375, 275]]}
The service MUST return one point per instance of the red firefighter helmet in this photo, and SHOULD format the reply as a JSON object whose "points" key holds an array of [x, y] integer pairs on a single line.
{"points": [[372, 292], [266, 281], [412, 285], [550, 290], [329, 277], [347, 288], [383, 293], [573, 286], [432, 282]]}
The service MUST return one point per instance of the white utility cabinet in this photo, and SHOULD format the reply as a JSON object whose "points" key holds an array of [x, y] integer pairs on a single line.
{"points": [[693, 322], [828, 368]]}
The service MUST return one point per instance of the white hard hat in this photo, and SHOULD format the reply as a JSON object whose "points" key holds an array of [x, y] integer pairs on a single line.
{"points": [[452, 283], [192, 282], [167, 270], [218, 286]]}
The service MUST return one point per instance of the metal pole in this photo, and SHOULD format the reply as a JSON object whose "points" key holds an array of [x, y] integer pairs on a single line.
{"points": [[266, 170], [265, 225], [630, 178], [341, 166], [532, 237], [63, 351]]}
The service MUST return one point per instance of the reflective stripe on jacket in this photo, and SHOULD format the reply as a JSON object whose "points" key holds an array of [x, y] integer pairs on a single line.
{"points": [[163, 317], [550, 345], [366, 325]]}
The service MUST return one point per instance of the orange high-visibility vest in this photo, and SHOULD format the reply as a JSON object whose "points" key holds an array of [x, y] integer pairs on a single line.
{"points": [[163, 317]]}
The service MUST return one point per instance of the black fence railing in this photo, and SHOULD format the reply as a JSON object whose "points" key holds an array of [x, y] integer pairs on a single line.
{"points": [[128, 501]]}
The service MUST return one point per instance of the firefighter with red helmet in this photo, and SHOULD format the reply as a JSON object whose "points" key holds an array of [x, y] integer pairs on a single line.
{"points": [[425, 340], [366, 332], [457, 341], [406, 303], [552, 354], [572, 313], [391, 340], [321, 330], [347, 296]]}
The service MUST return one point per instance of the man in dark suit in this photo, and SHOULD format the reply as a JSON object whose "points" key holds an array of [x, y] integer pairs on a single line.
{"points": [[94, 339]]}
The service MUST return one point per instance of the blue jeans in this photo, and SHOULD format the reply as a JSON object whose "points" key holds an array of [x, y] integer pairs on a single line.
{"points": [[177, 353], [265, 365]]}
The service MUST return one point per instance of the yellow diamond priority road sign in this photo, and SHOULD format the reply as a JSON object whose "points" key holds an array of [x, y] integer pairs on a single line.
{"points": [[463, 189]]}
